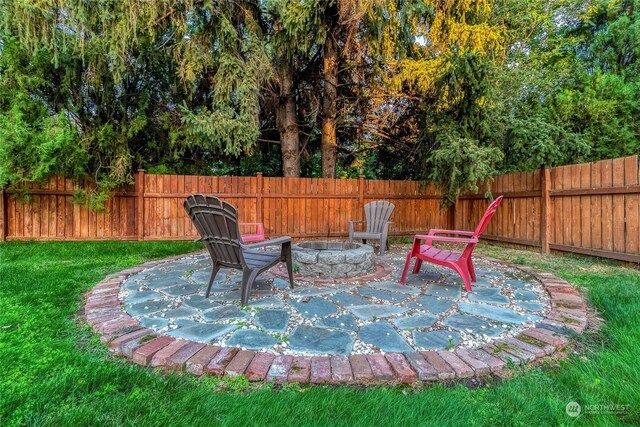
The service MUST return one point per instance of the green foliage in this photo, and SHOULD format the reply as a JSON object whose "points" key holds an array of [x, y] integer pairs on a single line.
{"points": [[568, 91], [35, 144], [459, 165], [454, 145], [137, 87], [451, 92]]}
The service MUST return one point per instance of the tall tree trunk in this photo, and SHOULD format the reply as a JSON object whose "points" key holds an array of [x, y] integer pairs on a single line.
{"points": [[287, 123], [329, 108]]}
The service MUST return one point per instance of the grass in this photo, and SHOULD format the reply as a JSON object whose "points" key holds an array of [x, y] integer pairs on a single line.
{"points": [[53, 370]]}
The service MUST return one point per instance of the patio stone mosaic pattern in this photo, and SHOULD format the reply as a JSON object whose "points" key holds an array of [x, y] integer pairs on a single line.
{"points": [[374, 331]]}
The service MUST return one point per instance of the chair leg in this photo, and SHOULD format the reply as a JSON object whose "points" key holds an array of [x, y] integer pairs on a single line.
{"points": [[383, 246], [472, 271], [214, 271], [416, 268], [403, 277], [461, 269], [248, 277], [288, 259]]}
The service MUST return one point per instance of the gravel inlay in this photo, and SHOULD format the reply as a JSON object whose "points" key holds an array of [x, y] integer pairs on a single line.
{"points": [[340, 317]]}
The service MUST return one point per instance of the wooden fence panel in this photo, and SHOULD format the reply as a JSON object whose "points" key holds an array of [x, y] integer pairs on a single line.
{"points": [[591, 208], [602, 198]]}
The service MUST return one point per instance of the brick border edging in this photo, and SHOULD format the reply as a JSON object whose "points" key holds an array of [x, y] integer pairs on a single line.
{"points": [[124, 336]]}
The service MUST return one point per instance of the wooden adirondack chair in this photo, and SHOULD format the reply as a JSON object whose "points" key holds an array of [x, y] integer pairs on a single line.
{"points": [[377, 223], [217, 224], [460, 262]]}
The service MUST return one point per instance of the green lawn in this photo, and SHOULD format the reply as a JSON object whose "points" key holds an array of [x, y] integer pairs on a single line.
{"points": [[55, 372]]}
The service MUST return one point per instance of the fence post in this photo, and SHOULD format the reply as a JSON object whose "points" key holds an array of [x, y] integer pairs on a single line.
{"points": [[361, 193], [3, 215], [452, 215], [139, 181], [259, 198], [545, 211]]}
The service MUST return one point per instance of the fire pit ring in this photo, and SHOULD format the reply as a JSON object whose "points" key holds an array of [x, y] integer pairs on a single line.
{"points": [[333, 260]]}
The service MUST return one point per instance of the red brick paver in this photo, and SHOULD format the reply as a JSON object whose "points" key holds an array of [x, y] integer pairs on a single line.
{"points": [[461, 369], [361, 369], [143, 355], [341, 369], [444, 371], [423, 369], [472, 359], [380, 367], [279, 371], [401, 368], [178, 359], [116, 344], [220, 361], [239, 363], [547, 336], [320, 370], [161, 358], [201, 359], [300, 371], [259, 366]]}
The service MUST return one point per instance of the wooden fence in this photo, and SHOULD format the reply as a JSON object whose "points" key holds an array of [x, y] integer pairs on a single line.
{"points": [[152, 208], [590, 208]]}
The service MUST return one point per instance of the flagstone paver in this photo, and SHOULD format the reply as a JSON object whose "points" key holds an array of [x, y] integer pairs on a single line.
{"points": [[383, 336], [376, 311], [488, 295], [273, 320], [499, 314], [315, 307], [251, 339], [473, 324], [320, 340], [415, 321], [431, 303], [203, 332], [436, 340], [345, 322]]}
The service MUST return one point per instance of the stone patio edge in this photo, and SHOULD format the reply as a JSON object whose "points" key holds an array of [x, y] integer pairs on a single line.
{"points": [[125, 337]]}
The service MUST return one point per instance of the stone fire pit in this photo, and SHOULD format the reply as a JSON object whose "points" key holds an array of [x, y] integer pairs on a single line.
{"points": [[333, 260]]}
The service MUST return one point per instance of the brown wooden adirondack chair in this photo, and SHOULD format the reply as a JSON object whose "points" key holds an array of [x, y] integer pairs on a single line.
{"points": [[377, 223], [217, 224], [460, 262]]}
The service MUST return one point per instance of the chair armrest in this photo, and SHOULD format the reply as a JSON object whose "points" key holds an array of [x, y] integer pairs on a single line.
{"points": [[357, 222], [272, 242], [435, 231], [445, 239]]}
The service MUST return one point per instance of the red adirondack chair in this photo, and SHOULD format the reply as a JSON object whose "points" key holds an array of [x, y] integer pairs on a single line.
{"points": [[256, 234], [460, 262]]}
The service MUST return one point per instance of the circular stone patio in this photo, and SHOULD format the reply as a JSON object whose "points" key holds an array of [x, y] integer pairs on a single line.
{"points": [[347, 330]]}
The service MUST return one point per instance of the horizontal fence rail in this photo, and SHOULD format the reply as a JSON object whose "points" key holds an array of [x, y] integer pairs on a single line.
{"points": [[590, 208]]}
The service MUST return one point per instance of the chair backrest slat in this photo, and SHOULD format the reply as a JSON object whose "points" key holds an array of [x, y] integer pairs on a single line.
{"points": [[482, 225], [217, 224], [377, 214], [488, 214]]}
